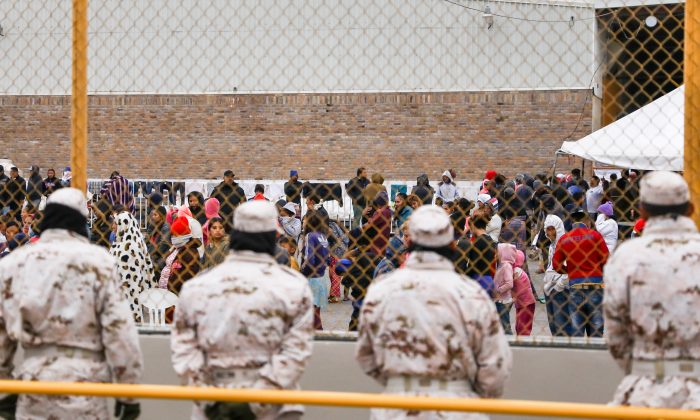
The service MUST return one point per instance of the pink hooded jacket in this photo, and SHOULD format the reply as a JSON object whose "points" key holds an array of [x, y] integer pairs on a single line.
{"points": [[211, 210], [503, 281], [522, 292]]}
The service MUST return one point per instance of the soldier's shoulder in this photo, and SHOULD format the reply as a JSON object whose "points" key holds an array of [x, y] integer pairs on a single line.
{"points": [[292, 274]]}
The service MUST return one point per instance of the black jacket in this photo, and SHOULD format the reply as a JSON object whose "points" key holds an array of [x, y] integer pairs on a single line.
{"points": [[35, 187], [361, 273], [293, 191], [50, 185], [229, 196], [355, 188], [16, 192]]}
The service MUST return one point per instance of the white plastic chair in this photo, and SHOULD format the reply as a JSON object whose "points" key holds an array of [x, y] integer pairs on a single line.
{"points": [[156, 301]]}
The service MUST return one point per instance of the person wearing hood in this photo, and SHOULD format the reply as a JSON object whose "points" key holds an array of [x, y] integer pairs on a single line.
{"points": [[398, 344], [288, 221], [211, 210], [447, 190], [195, 227], [63, 305], [556, 285], [118, 191], [606, 225], [503, 284], [246, 323], [183, 261], [523, 296], [423, 190], [373, 188], [50, 183], [134, 263]]}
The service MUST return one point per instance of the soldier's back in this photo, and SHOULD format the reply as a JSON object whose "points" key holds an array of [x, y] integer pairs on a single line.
{"points": [[51, 290], [243, 307]]}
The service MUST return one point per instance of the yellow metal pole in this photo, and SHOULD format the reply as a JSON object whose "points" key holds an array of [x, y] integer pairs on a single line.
{"points": [[691, 63], [345, 399], [79, 99]]}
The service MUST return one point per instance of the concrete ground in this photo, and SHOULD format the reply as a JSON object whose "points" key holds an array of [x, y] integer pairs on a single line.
{"points": [[337, 315]]}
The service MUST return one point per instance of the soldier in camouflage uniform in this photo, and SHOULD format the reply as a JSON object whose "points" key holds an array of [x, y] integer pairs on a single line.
{"points": [[246, 323], [61, 300], [426, 330], [651, 301]]}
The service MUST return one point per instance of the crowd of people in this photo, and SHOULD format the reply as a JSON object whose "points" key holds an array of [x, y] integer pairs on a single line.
{"points": [[424, 329], [567, 223]]}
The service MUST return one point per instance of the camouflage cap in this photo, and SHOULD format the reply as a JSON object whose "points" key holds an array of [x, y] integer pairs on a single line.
{"points": [[664, 188], [70, 197], [430, 226], [255, 217]]}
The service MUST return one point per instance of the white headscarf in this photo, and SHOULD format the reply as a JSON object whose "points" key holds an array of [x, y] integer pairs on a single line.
{"points": [[554, 221]]}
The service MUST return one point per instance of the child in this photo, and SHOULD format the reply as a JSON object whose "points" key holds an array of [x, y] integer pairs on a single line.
{"points": [[523, 297], [503, 284], [290, 245]]}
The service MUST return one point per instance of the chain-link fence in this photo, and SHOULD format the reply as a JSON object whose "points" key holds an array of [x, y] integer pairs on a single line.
{"points": [[534, 121]]}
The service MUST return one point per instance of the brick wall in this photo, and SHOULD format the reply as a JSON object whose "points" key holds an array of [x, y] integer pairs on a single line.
{"points": [[323, 135]]}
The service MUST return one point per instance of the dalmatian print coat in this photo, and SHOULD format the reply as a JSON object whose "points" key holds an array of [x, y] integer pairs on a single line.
{"points": [[133, 261]]}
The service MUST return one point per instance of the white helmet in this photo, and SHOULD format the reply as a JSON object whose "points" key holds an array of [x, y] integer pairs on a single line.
{"points": [[430, 226]]}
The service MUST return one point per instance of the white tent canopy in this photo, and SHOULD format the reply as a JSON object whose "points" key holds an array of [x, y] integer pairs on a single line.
{"points": [[651, 138]]}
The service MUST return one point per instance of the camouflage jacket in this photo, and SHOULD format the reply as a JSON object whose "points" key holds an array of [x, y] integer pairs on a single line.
{"points": [[652, 296], [248, 312], [64, 291], [426, 320]]}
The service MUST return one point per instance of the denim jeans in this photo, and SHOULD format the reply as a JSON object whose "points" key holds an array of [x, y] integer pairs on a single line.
{"points": [[355, 315], [356, 216], [504, 313], [586, 307], [558, 314]]}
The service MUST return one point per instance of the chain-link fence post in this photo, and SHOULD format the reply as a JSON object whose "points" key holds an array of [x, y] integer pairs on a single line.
{"points": [[79, 117], [692, 104]]}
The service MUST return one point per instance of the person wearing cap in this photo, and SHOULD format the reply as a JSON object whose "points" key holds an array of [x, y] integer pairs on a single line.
{"points": [[447, 190], [292, 188], [606, 225], [62, 302], [267, 312], [426, 330], [289, 223], [230, 195], [652, 298], [581, 254]]}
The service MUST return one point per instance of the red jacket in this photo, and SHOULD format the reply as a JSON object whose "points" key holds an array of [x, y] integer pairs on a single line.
{"points": [[584, 252]]}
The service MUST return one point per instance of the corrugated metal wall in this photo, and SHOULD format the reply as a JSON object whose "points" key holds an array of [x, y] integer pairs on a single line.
{"points": [[188, 46]]}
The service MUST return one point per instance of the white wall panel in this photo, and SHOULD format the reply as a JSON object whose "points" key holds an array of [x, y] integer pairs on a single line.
{"points": [[207, 46]]}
